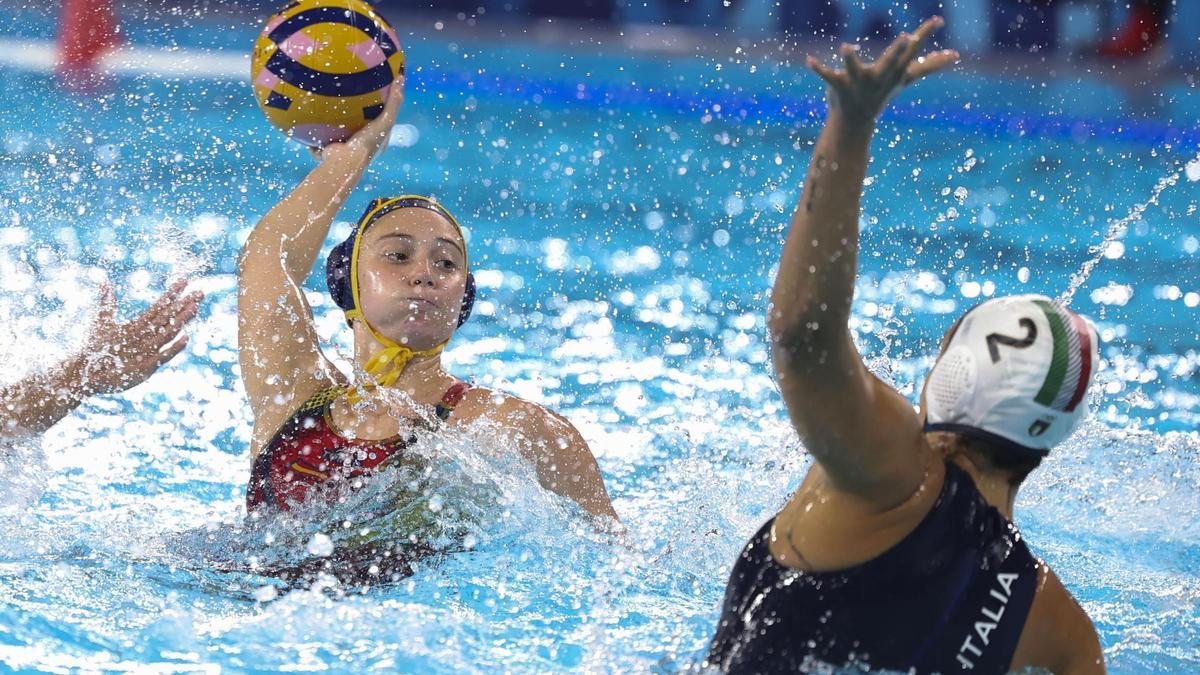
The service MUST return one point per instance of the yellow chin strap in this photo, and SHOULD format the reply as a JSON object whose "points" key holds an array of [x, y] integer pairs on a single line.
{"points": [[387, 364]]}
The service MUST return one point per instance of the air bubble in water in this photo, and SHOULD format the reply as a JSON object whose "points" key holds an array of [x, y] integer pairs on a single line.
{"points": [[1193, 170], [404, 136], [107, 154], [320, 545]]}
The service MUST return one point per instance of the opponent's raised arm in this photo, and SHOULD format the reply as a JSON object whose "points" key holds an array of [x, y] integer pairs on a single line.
{"points": [[278, 344], [827, 388]]}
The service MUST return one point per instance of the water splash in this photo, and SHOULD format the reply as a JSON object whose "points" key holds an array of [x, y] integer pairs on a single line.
{"points": [[1118, 228]]}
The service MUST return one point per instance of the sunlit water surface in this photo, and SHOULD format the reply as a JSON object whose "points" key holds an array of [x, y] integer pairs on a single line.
{"points": [[624, 248]]}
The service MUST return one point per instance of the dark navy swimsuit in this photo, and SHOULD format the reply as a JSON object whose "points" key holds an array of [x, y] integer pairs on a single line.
{"points": [[951, 597]]}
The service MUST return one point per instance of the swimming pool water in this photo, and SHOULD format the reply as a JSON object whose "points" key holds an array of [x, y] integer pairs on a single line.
{"points": [[625, 232]]}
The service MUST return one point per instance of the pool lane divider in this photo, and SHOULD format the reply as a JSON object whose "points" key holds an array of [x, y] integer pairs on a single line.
{"points": [[39, 56], [802, 109]]}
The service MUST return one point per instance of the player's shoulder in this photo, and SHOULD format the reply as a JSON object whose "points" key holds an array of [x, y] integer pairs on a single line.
{"points": [[1058, 634]]}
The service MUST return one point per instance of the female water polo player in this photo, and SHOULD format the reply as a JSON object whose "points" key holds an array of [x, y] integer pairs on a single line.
{"points": [[898, 551], [403, 278], [116, 357]]}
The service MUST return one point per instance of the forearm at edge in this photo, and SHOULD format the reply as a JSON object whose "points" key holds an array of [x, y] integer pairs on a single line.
{"points": [[810, 301], [294, 230], [38, 402]]}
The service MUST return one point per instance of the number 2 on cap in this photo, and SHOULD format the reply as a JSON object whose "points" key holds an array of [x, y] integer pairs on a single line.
{"points": [[996, 339]]}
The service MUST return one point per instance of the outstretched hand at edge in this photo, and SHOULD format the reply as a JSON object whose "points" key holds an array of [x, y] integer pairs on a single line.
{"points": [[859, 93], [123, 355]]}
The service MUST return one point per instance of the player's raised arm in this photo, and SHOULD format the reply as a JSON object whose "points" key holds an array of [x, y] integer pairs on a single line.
{"points": [[827, 388]]}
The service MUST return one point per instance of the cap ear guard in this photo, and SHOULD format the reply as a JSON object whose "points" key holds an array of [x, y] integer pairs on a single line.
{"points": [[468, 301], [338, 264], [337, 274], [951, 386]]}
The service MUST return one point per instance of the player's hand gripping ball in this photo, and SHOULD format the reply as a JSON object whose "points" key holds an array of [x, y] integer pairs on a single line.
{"points": [[322, 69]]}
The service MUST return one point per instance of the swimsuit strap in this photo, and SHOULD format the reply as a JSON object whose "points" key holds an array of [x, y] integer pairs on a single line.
{"points": [[322, 399], [451, 398]]}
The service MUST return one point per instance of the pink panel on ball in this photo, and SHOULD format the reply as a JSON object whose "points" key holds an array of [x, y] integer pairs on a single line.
{"points": [[273, 24], [392, 34], [266, 79], [368, 52], [318, 135], [298, 45]]}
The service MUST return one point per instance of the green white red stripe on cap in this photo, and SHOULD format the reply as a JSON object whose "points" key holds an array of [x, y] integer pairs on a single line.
{"points": [[1071, 363]]}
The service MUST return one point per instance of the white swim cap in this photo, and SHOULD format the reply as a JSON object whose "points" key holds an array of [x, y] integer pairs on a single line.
{"points": [[1014, 373]]}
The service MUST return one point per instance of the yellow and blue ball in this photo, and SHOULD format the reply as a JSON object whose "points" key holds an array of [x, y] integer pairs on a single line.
{"points": [[322, 69]]}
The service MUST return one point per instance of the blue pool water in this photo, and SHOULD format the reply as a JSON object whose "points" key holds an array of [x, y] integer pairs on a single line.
{"points": [[625, 231]]}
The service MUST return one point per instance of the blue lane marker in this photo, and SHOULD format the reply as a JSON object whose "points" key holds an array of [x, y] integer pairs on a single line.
{"points": [[800, 108]]}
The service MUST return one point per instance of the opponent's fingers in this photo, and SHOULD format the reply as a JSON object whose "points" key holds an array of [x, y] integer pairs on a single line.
{"points": [[166, 312], [167, 325], [850, 59], [826, 73], [922, 34], [189, 303], [165, 301], [930, 63], [890, 60], [188, 308], [927, 28], [171, 350]]}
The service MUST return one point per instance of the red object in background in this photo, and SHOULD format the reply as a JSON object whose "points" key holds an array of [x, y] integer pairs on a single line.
{"points": [[1142, 31], [87, 30]]}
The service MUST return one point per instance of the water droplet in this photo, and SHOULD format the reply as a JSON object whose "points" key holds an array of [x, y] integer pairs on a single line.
{"points": [[404, 136], [1193, 170], [320, 545]]}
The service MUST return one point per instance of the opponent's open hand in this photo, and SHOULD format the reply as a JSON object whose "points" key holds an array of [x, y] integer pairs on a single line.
{"points": [[122, 355], [859, 93]]}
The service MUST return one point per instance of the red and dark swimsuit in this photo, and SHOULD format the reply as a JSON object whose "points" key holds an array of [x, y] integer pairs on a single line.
{"points": [[307, 453]]}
